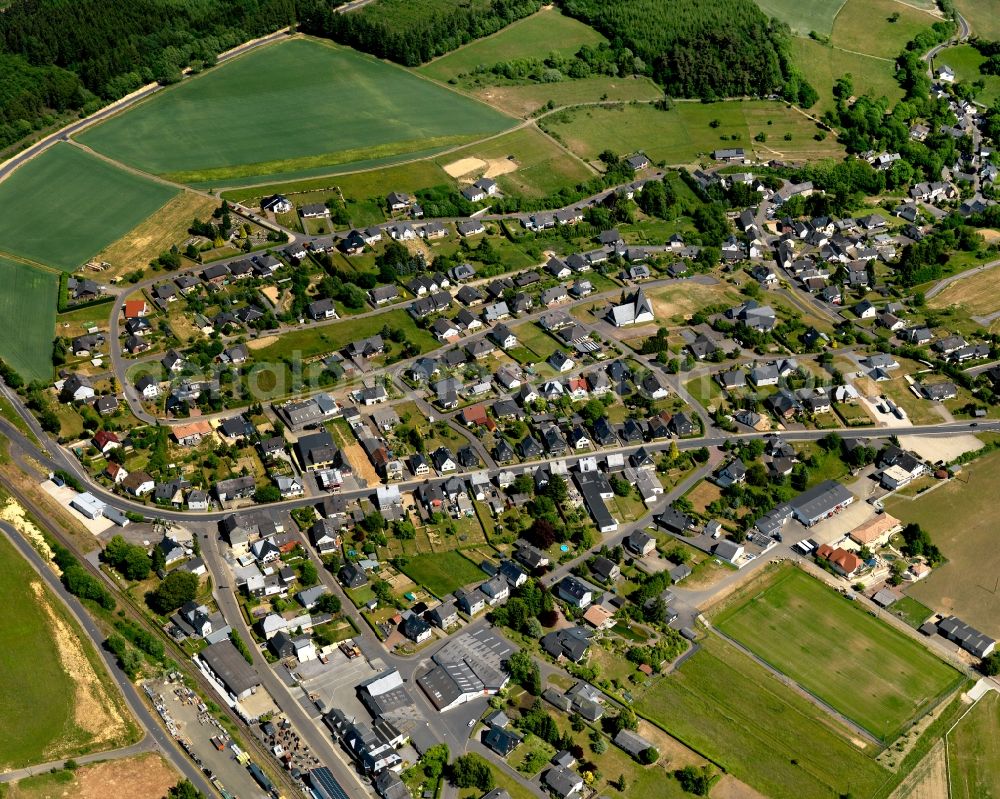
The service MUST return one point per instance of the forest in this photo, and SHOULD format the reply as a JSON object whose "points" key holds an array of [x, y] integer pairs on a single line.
{"points": [[59, 57], [701, 48], [411, 33]]}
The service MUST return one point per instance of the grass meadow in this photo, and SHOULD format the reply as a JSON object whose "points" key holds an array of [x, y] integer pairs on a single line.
{"points": [[872, 673], [65, 205], [443, 572], [974, 751], [983, 17], [685, 132], [42, 714], [28, 303], [730, 709], [864, 26], [525, 99], [960, 518], [823, 66], [321, 339], [537, 36], [291, 107], [804, 16]]}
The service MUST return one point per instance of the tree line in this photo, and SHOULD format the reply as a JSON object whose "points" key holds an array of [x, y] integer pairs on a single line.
{"points": [[412, 33], [58, 57], [702, 48]]}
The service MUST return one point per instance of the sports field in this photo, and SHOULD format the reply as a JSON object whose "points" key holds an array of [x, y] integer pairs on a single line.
{"points": [[443, 572], [525, 162], [823, 66], [65, 205], [730, 709], [537, 36], [804, 16], [685, 132], [863, 26], [974, 751], [28, 299], [960, 519], [292, 107], [860, 666]]}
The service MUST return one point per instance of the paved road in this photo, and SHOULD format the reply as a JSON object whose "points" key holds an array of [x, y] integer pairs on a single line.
{"points": [[313, 735], [156, 737]]}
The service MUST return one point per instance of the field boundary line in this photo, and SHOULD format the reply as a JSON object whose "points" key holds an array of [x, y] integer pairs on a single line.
{"points": [[28, 262]]}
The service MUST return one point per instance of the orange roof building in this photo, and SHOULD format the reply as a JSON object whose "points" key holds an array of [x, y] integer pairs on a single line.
{"points": [[876, 532], [845, 562], [598, 617], [135, 308]]}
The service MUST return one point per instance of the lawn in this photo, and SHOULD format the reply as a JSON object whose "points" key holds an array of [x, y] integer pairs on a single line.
{"points": [[684, 133], [28, 296], [965, 60], [804, 16], [536, 340], [295, 107], [443, 572], [65, 205], [974, 751], [911, 611], [860, 666], [823, 66], [961, 519], [525, 99], [676, 302], [864, 27], [537, 36], [537, 165], [725, 706], [321, 339]]}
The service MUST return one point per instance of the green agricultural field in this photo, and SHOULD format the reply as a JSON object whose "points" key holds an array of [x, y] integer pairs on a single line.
{"points": [[960, 519], [823, 66], [525, 99], [321, 339], [965, 60], [538, 165], [974, 751], [293, 107], [864, 27], [685, 133], [536, 36], [860, 666], [442, 572], [732, 710], [41, 715], [804, 16], [66, 205], [28, 303]]}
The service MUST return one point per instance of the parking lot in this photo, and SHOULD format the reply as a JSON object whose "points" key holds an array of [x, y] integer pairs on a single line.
{"points": [[333, 683], [197, 728]]}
